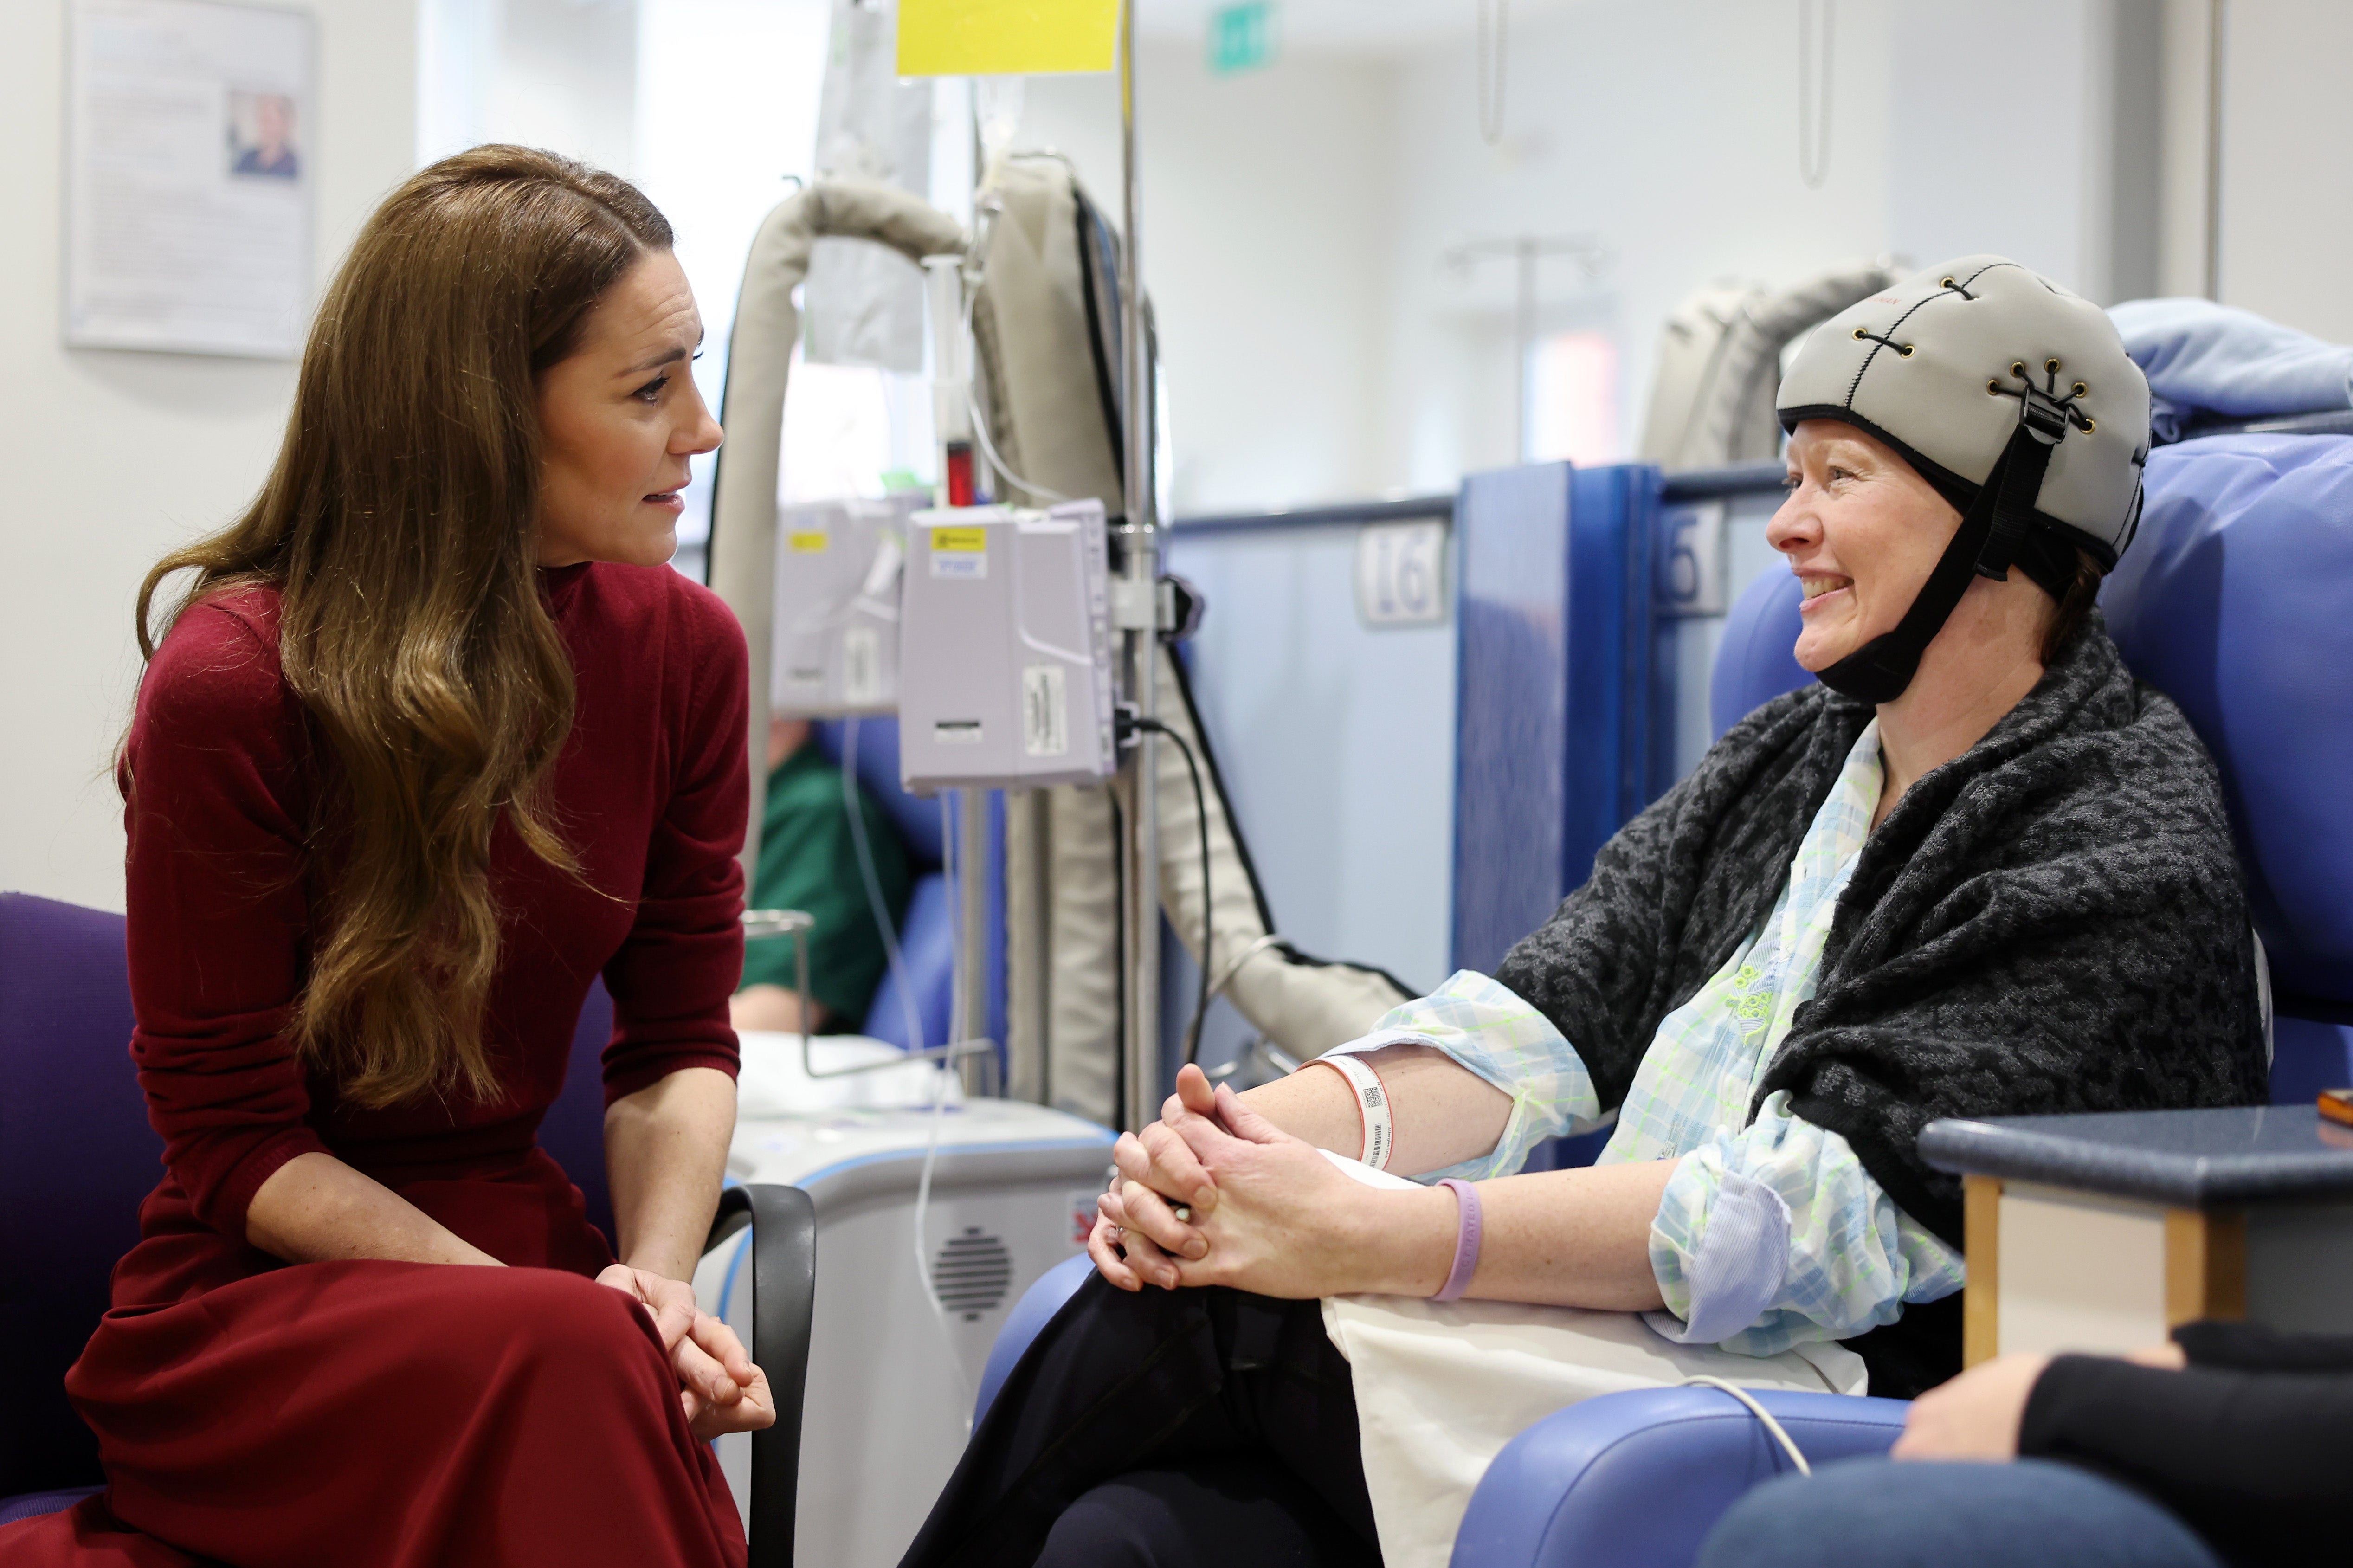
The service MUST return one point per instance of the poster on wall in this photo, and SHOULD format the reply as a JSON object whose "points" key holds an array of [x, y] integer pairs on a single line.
{"points": [[189, 177]]}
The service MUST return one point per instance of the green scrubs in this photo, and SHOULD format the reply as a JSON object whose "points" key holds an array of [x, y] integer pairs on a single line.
{"points": [[809, 862]]}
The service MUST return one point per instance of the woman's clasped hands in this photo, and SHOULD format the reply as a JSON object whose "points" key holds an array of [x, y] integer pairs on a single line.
{"points": [[719, 1387], [1214, 1193]]}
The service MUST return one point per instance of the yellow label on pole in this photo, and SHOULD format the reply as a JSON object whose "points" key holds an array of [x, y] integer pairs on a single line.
{"points": [[1007, 37], [807, 543], [968, 541]]}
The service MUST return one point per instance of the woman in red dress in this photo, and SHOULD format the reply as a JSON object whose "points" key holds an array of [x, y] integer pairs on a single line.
{"points": [[436, 737]]}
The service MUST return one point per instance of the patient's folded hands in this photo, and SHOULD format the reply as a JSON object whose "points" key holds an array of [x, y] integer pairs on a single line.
{"points": [[1216, 1194]]}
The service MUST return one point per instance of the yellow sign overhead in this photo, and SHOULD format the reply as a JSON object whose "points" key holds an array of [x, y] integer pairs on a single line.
{"points": [[1007, 37]]}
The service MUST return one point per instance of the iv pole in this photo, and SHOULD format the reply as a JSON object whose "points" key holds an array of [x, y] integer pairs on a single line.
{"points": [[1136, 599]]}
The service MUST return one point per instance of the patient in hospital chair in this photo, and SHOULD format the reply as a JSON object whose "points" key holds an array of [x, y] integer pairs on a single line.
{"points": [[809, 862], [1979, 870]]}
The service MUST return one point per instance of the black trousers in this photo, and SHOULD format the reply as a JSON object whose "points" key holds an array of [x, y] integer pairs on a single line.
{"points": [[1164, 1429]]}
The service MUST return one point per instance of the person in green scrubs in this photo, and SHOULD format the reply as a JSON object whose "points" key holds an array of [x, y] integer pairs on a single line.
{"points": [[808, 861]]}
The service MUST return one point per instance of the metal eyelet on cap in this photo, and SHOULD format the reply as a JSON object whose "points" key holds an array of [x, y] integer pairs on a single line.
{"points": [[1946, 284], [1858, 334], [2080, 389], [1993, 388], [2018, 368], [2051, 365], [1906, 350]]}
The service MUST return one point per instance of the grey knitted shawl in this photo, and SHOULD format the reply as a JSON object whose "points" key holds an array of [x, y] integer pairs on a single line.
{"points": [[2053, 921]]}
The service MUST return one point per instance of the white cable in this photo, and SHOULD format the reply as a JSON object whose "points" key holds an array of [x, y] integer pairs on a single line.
{"points": [[874, 901], [1775, 1427], [914, 1038], [932, 1139], [1218, 987], [980, 425], [922, 1254]]}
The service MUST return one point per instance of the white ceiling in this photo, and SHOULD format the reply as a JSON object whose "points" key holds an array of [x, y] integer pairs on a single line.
{"points": [[1372, 27]]}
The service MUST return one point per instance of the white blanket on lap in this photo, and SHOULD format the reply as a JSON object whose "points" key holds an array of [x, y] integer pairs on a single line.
{"points": [[1441, 1387]]}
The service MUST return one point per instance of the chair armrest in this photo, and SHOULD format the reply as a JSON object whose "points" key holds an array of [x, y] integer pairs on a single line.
{"points": [[1032, 1312], [784, 1299], [1637, 1479]]}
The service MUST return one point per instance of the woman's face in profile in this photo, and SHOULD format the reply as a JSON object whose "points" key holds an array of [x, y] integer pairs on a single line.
{"points": [[1862, 530], [617, 420]]}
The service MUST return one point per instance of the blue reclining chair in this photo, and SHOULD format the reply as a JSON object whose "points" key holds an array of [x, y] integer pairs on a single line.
{"points": [[77, 1155], [2236, 601]]}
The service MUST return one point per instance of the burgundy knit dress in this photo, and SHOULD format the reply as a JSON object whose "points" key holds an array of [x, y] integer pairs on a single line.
{"points": [[260, 1414]]}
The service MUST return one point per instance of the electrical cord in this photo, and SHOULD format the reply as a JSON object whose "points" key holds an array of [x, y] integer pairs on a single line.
{"points": [[980, 425], [1780, 1435], [915, 1023], [874, 900], [1209, 927]]}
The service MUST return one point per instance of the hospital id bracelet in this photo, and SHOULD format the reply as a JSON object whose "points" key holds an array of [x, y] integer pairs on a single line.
{"points": [[1466, 1241], [1372, 1103]]}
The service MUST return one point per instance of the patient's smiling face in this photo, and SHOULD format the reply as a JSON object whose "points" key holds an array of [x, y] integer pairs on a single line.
{"points": [[1862, 530]]}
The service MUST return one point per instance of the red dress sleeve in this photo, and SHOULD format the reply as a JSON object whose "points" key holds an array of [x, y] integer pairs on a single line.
{"points": [[671, 979], [215, 803]]}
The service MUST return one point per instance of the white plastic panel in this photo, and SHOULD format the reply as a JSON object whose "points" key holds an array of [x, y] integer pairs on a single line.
{"points": [[2079, 1272], [837, 622], [1005, 650]]}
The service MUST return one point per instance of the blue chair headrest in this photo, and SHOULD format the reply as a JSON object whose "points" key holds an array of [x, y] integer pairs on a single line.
{"points": [[918, 821], [1754, 663], [2237, 602]]}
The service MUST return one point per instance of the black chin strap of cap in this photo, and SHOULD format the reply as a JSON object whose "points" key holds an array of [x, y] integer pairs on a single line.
{"points": [[1985, 546]]}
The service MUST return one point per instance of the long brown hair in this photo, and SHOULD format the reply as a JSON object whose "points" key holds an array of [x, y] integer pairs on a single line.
{"points": [[398, 528], [2072, 607]]}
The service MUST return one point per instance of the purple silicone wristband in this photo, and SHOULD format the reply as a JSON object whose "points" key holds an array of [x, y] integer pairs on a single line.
{"points": [[1466, 1241]]}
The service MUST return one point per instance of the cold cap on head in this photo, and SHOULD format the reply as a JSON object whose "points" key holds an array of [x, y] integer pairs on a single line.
{"points": [[1935, 368], [2010, 396]]}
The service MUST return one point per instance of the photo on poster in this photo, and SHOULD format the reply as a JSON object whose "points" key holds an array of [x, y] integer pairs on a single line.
{"points": [[261, 136]]}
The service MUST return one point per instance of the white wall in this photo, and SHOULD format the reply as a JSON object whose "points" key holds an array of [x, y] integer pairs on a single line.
{"points": [[2288, 193], [1669, 132], [1267, 204], [726, 109], [115, 457], [2000, 135]]}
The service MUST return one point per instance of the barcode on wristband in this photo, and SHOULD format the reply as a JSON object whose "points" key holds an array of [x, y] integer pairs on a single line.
{"points": [[1372, 1107]]}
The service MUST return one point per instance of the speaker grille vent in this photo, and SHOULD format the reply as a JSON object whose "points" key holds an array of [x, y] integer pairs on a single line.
{"points": [[970, 1273]]}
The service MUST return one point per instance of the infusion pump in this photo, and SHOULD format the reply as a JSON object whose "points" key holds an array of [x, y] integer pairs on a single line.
{"points": [[1005, 676], [837, 620]]}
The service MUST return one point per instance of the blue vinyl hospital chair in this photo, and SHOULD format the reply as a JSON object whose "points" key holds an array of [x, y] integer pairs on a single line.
{"points": [[2236, 601]]}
